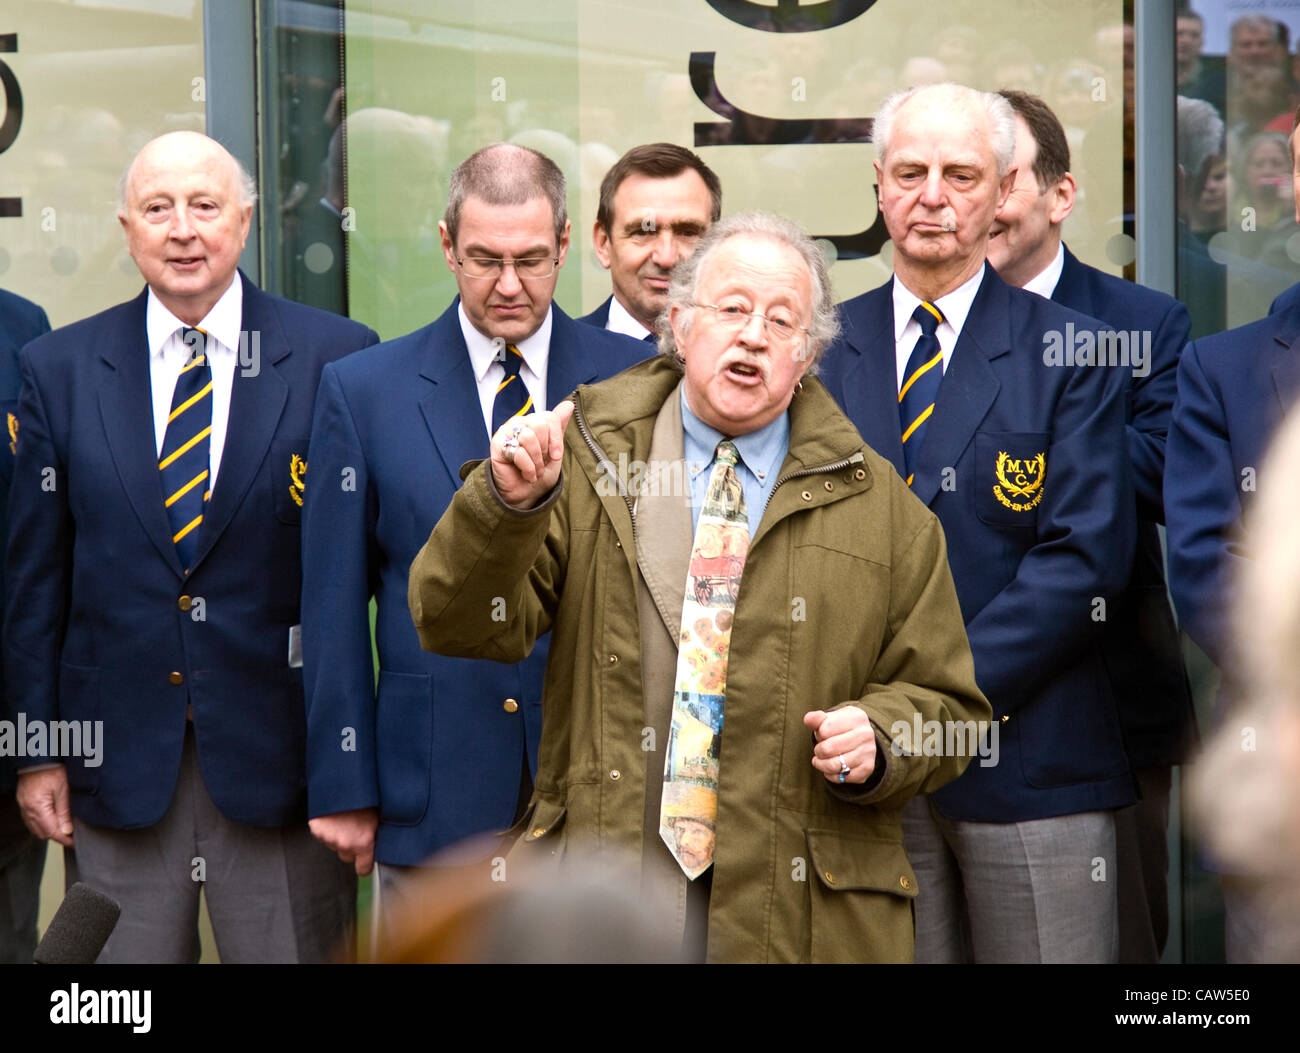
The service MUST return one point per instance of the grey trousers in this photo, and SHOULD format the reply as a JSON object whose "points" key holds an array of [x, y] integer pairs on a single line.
{"points": [[274, 895], [1039, 891], [1141, 832]]}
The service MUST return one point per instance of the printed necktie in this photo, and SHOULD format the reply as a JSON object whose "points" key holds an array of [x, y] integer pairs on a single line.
{"points": [[920, 385], [689, 808], [184, 458], [512, 398]]}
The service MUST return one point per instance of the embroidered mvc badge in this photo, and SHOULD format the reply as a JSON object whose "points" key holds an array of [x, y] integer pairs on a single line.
{"points": [[297, 470], [13, 434], [1020, 481]]}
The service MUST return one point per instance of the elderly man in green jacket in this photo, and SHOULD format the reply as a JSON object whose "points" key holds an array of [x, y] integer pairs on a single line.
{"points": [[712, 543]]}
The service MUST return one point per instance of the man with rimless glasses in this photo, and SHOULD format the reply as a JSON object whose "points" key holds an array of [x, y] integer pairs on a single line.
{"points": [[440, 748]]}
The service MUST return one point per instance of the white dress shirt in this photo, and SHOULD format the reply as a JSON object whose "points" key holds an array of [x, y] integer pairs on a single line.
{"points": [[1044, 282], [485, 356], [954, 306], [621, 321], [168, 353]]}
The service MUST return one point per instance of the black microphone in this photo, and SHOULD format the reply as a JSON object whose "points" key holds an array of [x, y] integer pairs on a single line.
{"points": [[80, 928]]}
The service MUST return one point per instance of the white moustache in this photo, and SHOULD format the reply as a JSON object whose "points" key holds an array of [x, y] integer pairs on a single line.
{"points": [[948, 219]]}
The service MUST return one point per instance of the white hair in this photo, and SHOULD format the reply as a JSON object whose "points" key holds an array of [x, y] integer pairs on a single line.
{"points": [[683, 288], [1001, 118], [1200, 135]]}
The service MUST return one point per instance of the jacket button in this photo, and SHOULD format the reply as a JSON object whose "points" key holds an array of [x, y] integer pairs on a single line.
{"points": [[829, 486], [510, 705], [905, 883], [538, 831], [1005, 717], [806, 495], [175, 678], [830, 878], [613, 659], [615, 775], [185, 603], [618, 544], [860, 474]]}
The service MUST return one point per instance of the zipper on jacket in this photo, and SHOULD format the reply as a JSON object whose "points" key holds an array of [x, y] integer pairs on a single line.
{"points": [[606, 465], [820, 469]]}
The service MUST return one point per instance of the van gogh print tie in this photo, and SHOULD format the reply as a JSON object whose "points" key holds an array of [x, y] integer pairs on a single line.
{"points": [[689, 808], [184, 458]]}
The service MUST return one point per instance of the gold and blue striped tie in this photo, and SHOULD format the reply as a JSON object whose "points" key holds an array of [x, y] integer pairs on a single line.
{"points": [[512, 398], [920, 385], [184, 458]]}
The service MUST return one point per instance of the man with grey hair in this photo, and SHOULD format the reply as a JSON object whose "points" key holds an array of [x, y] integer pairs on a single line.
{"points": [[153, 577], [719, 542], [441, 749], [992, 406]]}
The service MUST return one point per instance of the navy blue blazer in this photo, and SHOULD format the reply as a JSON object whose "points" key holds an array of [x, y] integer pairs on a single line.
{"points": [[1233, 390], [20, 322], [1030, 565], [439, 744], [101, 623], [1143, 655], [600, 316]]}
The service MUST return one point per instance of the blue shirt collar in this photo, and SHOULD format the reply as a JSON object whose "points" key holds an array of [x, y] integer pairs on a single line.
{"points": [[761, 452]]}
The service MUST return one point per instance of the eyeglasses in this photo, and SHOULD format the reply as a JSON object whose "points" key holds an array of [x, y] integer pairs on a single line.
{"points": [[527, 267], [781, 328]]}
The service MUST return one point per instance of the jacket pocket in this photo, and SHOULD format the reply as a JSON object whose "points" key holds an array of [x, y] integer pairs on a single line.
{"points": [[542, 827], [404, 737], [862, 890], [1010, 477], [288, 479]]}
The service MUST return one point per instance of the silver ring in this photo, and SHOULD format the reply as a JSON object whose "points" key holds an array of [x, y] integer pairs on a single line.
{"points": [[510, 443], [844, 768]]}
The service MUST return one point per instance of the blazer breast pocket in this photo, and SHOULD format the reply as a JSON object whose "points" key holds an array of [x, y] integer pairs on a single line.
{"points": [[1011, 476], [288, 479]]}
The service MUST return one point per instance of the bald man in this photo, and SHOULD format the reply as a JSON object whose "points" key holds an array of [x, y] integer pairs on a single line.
{"points": [[152, 616]]}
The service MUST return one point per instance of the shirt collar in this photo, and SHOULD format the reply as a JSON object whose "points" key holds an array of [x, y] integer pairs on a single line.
{"points": [[222, 323], [1044, 282], [760, 450], [483, 350], [621, 321], [954, 306]]}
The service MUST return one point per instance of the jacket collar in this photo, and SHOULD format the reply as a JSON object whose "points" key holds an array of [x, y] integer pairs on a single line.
{"points": [[619, 415]]}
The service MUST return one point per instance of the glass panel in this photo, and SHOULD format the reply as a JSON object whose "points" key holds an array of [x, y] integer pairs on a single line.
{"points": [[85, 86], [777, 99]]}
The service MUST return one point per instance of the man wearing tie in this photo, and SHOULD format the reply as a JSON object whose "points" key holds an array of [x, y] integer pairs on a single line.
{"points": [[1143, 658], [443, 748], [945, 371], [655, 203], [153, 573]]}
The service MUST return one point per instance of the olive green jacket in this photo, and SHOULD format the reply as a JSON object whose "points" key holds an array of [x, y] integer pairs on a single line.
{"points": [[846, 599]]}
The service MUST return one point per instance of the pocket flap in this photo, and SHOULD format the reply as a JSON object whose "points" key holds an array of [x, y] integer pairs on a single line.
{"points": [[848, 862], [544, 817]]}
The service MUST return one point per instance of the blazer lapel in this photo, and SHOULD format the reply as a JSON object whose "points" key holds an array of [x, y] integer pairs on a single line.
{"points": [[969, 388], [126, 408], [1072, 290], [451, 407], [566, 366], [870, 378], [1286, 368], [256, 404]]}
